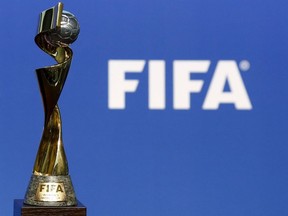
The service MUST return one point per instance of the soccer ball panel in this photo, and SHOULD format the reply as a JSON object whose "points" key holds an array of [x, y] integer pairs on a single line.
{"points": [[68, 32]]}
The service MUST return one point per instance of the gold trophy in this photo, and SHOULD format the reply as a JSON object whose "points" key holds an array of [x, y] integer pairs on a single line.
{"points": [[50, 184]]}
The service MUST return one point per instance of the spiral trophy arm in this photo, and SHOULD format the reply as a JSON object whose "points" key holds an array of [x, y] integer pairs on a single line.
{"points": [[57, 30]]}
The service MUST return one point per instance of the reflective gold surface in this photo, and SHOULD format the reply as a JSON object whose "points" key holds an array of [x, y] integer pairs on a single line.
{"points": [[51, 158]]}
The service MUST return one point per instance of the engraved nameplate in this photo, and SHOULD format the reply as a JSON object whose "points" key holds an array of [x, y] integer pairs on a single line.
{"points": [[54, 192]]}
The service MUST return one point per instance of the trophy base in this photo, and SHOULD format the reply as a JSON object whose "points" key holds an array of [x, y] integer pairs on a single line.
{"points": [[50, 191], [20, 209]]}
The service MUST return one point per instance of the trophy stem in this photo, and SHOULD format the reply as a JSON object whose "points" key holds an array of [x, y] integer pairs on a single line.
{"points": [[51, 158]]}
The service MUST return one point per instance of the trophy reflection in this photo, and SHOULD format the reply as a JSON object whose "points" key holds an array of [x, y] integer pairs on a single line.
{"points": [[50, 184]]}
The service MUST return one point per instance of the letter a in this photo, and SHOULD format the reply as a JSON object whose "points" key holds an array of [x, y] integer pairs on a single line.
{"points": [[227, 71]]}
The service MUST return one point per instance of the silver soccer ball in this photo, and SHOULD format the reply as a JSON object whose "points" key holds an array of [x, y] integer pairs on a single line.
{"points": [[68, 32]]}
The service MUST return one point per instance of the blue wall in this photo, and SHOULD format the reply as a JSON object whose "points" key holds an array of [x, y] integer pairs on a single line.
{"points": [[146, 162]]}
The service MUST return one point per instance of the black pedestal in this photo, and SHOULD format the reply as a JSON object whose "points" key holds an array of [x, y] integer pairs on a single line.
{"points": [[21, 209]]}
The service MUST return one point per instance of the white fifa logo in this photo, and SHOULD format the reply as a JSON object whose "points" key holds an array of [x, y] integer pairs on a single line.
{"points": [[226, 71]]}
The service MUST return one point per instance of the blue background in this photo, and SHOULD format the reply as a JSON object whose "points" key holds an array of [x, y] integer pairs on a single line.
{"points": [[141, 162]]}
